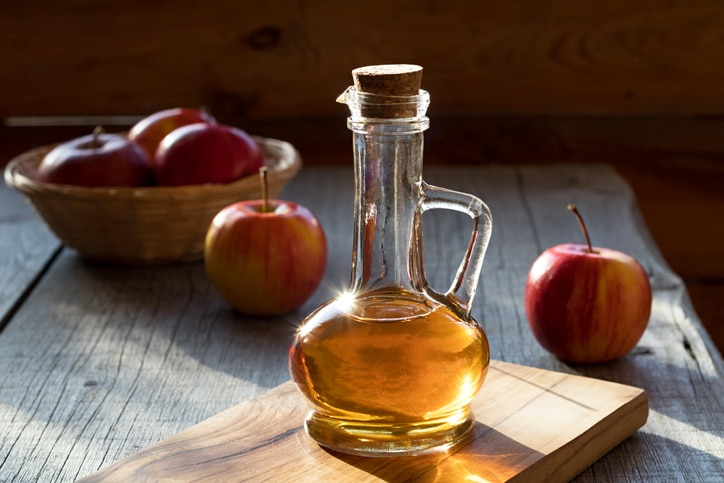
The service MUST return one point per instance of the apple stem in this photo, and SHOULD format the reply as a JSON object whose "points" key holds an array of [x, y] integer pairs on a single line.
{"points": [[204, 109], [264, 194], [96, 132], [573, 208]]}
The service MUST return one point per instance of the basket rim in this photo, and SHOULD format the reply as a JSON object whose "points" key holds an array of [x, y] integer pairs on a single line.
{"points": [[281, 157]]}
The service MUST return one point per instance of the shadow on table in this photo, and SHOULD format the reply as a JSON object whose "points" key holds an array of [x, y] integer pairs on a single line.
{"points": [[172, 313], [487, 455], [664, 384], [676, 461]]}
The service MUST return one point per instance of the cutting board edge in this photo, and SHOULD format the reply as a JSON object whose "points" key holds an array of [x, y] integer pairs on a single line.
{"points": [[634, 411], [572, 458]]}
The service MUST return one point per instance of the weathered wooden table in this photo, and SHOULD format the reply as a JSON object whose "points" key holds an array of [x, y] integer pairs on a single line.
{"points": [[100, 362]]}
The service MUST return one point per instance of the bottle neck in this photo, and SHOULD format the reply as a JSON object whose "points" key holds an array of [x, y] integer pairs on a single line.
{"points": [[388, 184]]}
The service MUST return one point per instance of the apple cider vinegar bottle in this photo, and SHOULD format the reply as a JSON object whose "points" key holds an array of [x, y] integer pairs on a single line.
{"points": [[391, 366]]}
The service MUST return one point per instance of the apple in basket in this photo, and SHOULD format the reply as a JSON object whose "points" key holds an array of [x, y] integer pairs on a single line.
{"points": [[265, 257], [149, 131], [98, 159], [587, 304], [206, 153]]}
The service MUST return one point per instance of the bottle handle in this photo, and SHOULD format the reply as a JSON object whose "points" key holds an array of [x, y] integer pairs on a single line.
{"points": [[465, 283]]}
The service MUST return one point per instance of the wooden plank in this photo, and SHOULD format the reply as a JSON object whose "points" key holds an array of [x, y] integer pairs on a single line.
{"points": [[532, 425], [102, 362], [708, 299], [27, 247], [288, 59]]}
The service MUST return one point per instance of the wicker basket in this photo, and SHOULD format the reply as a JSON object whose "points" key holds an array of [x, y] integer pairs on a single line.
{"points": [[148, 225]]}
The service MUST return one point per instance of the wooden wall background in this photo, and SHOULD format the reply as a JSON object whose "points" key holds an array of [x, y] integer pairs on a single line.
{"points": [[271, 59], [638, 84]]}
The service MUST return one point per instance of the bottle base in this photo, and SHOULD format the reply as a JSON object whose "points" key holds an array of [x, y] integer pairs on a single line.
{"points": [[374, 439]]}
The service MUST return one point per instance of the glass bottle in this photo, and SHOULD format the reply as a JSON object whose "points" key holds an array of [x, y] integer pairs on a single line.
{"points": [[391, 366]]}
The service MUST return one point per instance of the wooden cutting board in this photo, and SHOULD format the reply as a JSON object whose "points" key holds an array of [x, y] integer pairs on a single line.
{"points": [[533, 425]]}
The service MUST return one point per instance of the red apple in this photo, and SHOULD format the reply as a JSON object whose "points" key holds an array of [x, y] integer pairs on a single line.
{"points": [[149, 131], [206, 153], [265, 261], [98, 159], [587, 304]]}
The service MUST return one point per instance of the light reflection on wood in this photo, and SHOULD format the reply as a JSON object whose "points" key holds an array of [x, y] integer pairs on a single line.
{"points": [[532, 424]]}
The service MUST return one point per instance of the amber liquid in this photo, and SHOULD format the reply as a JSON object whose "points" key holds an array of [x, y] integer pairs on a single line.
{"points": [[388, 373]]}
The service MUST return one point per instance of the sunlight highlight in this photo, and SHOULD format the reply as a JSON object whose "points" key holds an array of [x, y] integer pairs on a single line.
{"points": [[686, 434], [346, 301]]}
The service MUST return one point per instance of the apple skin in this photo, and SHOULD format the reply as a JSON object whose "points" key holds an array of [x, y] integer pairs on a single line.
{"points": [[265, 263], [150, 131], [586, 307], [206, 153], [97, 160]]}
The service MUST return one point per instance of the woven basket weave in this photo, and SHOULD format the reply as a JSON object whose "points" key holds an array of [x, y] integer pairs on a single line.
{"points": [[148, 225]]}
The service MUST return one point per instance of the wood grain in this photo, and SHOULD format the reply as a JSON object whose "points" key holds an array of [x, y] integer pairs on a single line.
{"points": [[26, 247], [101, 362], [256, 59], [532, 425]]}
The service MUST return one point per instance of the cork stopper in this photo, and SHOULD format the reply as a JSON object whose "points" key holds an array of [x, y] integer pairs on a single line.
{"points": [[388, 82]]}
